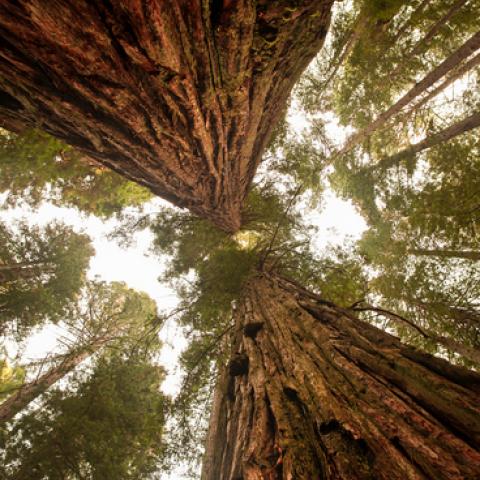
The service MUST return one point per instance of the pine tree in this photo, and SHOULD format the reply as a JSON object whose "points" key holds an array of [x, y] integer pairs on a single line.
{"points": [[41, 272], [104, 315], [109, 424]]}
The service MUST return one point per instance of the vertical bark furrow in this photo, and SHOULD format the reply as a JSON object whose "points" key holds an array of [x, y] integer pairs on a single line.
{"points": [[329, 397], [155, 91]]}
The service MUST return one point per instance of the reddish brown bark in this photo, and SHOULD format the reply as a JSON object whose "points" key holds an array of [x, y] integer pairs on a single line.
{"points": [[180, 96], [314, 393]]}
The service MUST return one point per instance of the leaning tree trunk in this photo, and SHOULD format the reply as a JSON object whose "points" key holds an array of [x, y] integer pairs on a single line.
{"points": [[180, 96], [311, 392], [27, 393], [450, 63], [459, 128]]}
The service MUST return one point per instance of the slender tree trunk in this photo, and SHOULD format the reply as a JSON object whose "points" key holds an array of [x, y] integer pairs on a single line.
{"points": [[23, 271], [314, 393], [347, 48], [180, 96], [463, 126], [467, 49], [441, 253], [26, 394], [458, 73], [421, 44], [19, 265], [408, 23], [437, 26]]}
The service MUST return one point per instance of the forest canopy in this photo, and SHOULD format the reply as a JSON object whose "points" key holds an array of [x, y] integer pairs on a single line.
{"points": [[296, 353]]}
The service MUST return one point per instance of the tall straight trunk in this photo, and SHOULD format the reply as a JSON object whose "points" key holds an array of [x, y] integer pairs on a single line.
{"points": [[463, 126], [180, 96], [23, 270], [450, 63], [26, 394], [352, 40], [314, 393], [441, 253], [408, 23], [458, 73], [437, 26]]}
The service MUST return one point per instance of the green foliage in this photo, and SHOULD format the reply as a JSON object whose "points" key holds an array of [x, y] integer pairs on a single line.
{"points": [[107, 426], [11, 377], [42, 271], [35, 166]]}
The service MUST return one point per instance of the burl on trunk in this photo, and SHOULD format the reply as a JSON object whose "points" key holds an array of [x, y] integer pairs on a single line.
{"points": [[180, 96], [314, 393]]}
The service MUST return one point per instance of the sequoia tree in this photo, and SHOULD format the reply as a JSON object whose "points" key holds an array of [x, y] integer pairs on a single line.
{"points": [[179, 96], [313, 392]]}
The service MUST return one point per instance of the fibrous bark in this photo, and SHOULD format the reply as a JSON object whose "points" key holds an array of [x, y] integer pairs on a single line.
{"points": [[179, 96], [327, 396]]}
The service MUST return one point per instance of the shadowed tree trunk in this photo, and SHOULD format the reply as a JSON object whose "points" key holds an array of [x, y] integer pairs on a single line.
{"points": [[179, 96], [311, 392]]}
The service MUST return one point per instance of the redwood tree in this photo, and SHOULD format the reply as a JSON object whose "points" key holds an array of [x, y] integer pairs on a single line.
{"points": [[312, 392], [179, 96]]}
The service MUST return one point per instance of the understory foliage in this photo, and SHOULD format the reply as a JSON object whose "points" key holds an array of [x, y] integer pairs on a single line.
{"points": [[35, 166], [106, 424]]}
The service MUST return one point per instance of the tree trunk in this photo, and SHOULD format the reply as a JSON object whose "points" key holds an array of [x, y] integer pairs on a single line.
{"points": [[23, 271], [437, 26], [458, 73], [179, 96], [470, 353], [463, 126], [314, 393], [467, 49], [26, 394], [408, 23], [440, 253]]}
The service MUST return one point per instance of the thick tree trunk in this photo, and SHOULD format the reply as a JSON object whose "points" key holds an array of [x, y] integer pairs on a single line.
{"points": [[180, 96], [463, 126], [450, 63], [314, 393], [26, 394]]}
